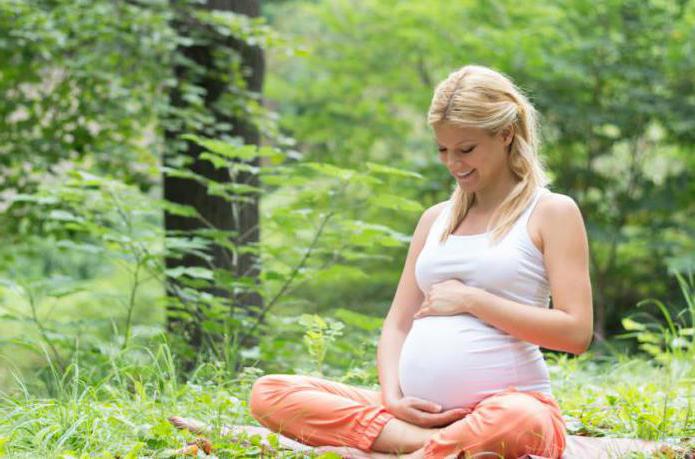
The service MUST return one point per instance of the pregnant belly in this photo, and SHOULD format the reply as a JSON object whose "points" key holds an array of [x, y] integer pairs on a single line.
{"points": [[456, 361]]}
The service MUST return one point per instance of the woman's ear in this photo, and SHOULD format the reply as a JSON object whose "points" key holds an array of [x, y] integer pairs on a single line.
{"points": [[508, 135]]}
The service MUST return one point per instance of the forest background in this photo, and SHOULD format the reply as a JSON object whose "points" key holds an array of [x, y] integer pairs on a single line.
{"points": [[195, 193]]}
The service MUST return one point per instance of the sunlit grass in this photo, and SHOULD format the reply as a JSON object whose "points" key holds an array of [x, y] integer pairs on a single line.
{"points": [[116, 403], [122, 409], [626, 397], [94, 311], [123, 413]]}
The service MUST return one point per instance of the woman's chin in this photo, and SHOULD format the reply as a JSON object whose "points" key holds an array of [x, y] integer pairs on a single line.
{"points": [[467, 185]]}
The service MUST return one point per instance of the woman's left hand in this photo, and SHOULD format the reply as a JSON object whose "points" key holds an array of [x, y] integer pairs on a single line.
{"points": [[448, 298]]}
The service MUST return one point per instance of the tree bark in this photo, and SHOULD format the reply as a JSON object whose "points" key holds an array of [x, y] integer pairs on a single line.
{"points": [[240, 218]]}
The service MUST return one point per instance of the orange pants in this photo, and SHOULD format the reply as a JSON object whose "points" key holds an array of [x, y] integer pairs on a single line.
{"points": [[317, 411]]}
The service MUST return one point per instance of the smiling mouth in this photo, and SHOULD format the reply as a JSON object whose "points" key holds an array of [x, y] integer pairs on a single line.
{"points": [[465, 175]]}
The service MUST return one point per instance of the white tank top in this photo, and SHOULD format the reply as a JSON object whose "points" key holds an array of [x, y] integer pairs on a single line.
{"points": [[456, 361]]}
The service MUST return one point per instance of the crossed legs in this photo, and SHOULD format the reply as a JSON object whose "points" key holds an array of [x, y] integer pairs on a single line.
{"points": [[317, 411]]}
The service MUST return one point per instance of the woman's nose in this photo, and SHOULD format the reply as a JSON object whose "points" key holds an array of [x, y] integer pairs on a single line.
{"points": [[453, 161]]}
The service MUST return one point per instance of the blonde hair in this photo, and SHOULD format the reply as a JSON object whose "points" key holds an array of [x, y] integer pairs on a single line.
{"points": [[479, 97]]}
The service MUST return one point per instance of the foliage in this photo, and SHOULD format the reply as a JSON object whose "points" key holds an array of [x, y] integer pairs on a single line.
{"points": [[90, 370], [89, 89], [675, 340], [118, 408], [104, 217], [624, 396], [610, 81], [646, 398], [91, 78], [81, 78], [319, 336], [112, 405]]}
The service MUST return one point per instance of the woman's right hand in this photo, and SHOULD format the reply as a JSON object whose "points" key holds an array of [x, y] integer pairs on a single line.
{"points": [[424, 413]]}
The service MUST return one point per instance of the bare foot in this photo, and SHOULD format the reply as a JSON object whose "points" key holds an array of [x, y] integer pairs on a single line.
{"points": [[191, 425]]}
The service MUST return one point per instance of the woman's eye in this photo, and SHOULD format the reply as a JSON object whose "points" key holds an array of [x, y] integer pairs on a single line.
{"points": [[443, 150]]}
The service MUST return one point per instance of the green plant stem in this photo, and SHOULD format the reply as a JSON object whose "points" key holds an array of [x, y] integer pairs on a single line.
{"points": [[42, 330], [131, 304], [290, 278]]}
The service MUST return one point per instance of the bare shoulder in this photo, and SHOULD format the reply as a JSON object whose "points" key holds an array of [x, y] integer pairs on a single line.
{"points": [[555, 213], [556, 207], [427, 219], [432, 212]]}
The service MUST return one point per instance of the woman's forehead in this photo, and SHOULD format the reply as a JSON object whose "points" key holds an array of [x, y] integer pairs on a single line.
{"points": [[454, 135]]}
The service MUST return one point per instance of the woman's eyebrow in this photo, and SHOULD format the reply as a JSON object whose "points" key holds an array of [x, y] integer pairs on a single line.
{"points": [[456, 144]]}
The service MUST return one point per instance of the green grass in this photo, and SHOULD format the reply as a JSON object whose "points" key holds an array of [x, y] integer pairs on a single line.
{"points": [[122, 411], [113, 402], [93, 312], [625, 396], [118, 408]]}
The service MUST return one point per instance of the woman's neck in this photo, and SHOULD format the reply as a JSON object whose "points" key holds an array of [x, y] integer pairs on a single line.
{"points": [[488, 199]]}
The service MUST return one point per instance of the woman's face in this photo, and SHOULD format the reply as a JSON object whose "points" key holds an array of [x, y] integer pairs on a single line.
{"points": [[473, 157]]}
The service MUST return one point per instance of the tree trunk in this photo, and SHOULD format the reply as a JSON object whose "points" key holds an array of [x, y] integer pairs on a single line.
{"points": [[240, 218]]}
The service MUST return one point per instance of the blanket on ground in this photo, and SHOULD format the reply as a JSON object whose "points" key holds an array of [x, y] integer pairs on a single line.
{"points": [[578, 447]]}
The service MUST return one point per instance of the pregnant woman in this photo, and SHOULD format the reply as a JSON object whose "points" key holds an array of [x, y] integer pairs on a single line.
{"points": [[459, 364]]}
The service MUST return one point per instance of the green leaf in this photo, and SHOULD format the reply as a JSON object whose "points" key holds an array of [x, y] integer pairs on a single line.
{"points": [[35, 198], [358, 320], [392, 201], [217, 161], [191, 271], [179, 209], [273, 440], [63, 215], [388, 170], [225, 149], [338, 274], [629, 324], [331, 170]]}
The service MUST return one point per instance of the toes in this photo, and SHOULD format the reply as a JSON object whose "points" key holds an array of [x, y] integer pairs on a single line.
{"points": [[187, 424], [177, 421]]}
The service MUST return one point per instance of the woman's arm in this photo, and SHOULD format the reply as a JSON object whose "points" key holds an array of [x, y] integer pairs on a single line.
{"points": [[399, 319], [569, 325], [388, 353]]}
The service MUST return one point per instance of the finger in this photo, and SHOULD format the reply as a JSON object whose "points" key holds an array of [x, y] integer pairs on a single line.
{"points": [[429, 420], [428, 311], [455, 414], [425, 405], [445, 418], [452, 414]]}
